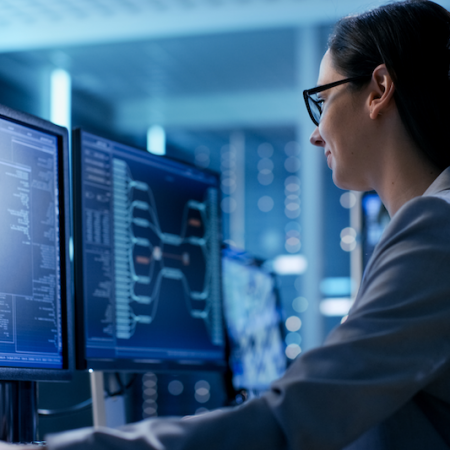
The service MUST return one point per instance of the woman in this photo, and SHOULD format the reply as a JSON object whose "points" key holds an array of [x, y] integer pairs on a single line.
{"points": [[382, 379]]}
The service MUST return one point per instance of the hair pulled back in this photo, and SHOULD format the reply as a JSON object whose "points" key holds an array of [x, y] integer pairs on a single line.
{"points": [[412, 39]]}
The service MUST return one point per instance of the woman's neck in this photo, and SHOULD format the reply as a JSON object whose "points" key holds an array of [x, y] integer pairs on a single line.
{"points": [[406, 176]]}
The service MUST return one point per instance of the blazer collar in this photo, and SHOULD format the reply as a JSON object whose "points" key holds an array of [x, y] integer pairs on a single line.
{"points": [[441, 183]]}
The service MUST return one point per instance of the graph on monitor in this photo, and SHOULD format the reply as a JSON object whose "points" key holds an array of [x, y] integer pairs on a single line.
{"points": [[35, 275], [150, 258], [32, 245]]}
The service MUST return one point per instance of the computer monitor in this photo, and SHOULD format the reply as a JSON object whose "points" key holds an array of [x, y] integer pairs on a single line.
{"points": [[147, 260], [35, 281], [254, 324], [374, 220]]}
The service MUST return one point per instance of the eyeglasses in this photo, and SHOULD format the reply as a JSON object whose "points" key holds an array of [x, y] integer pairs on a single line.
{"points": [[314, 105]]}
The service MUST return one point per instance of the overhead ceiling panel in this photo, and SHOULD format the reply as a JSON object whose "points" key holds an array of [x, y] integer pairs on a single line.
{"points": [[34, 24], [237, 62]]}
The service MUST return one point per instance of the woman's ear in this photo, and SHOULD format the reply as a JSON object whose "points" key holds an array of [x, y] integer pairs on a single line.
{"points": [[381, 96]]}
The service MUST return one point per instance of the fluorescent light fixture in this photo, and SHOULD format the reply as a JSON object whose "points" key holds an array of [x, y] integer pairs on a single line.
{"points": [[290, 264], [336, 286], [60, 101], [335, 307], [156, 140]]}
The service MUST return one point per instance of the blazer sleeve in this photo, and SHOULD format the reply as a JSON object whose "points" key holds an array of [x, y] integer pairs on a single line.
{"points": [[394, 343]]}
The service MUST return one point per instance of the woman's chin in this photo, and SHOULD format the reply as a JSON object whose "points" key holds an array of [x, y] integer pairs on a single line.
{"points": [[341, 182], [349, 184]]}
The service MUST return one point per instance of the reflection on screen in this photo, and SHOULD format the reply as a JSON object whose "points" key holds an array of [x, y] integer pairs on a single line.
{"points": [[253, 322], [151, 257], [30, 285]]}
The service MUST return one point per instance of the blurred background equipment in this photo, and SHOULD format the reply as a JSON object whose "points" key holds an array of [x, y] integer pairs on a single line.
{"points": [[254, 322]]}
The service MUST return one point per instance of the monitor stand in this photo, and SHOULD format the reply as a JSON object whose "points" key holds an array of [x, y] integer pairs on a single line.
{"points": [[98, 399], [18, 411], [105, 412]]}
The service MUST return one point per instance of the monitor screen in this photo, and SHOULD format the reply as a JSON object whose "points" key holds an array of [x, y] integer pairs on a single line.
{"points": [[374, 220], [253, 318], [147, 260], [34, 236]]}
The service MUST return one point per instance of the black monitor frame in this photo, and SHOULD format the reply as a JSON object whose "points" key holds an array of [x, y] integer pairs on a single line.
{"points": [[65, 373], [125, 365]]}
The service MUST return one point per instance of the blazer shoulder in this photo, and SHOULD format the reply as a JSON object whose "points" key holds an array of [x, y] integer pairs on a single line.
{"points": [[427, 216], [418, 237]]}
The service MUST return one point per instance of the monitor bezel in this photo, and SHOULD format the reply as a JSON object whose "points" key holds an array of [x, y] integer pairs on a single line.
{"points": [[124, 365], [65, 373]]}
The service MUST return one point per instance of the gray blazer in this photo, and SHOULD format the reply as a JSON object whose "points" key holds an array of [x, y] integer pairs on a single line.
{"points": [[380, 381]]}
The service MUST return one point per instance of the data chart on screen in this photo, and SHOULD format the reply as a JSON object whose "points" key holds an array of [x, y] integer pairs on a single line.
{"points": [[150, 256], [30, 278]]}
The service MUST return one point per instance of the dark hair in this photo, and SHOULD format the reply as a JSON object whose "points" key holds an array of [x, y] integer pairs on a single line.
{"points": [[412, 39]]}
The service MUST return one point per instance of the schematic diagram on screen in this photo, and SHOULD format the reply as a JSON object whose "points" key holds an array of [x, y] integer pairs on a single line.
{"points": [[146, 255]]}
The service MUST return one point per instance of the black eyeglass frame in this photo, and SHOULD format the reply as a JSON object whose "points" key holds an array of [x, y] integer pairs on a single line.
{"points": [[308, 92]]}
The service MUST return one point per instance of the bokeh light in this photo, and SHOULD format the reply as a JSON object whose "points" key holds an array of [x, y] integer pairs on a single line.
{"points": [[202, 391], [293, 338], [292, 164], [292, 148], [265, 177], [202, 156], [293, 323], [265, 150], [265, 203], [348, 200], [348, 239], [228, 205], [175, 387], [265, 164], [293, 350], [300, 304]]}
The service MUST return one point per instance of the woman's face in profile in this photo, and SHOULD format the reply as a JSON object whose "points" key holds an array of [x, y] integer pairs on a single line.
{"points": [[342, 129]]}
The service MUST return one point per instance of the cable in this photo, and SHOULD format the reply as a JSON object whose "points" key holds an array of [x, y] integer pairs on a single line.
{"points": [[56, 412]]}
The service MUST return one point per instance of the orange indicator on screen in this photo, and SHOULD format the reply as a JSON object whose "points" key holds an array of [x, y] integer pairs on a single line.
{"points": [[195, 223], [142, 260]]}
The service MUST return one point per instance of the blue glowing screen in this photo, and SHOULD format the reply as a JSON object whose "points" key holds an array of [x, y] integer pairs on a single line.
{"points": [[253, 321], [151, 256], [30, 274]]}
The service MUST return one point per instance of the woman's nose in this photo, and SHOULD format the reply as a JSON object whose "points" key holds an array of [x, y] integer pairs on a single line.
{"points": [[316, 138]]}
